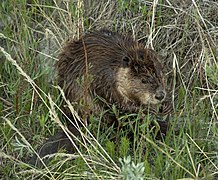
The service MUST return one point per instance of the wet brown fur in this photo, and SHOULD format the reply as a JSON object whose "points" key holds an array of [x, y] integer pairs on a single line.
{"points": [[121, 71]]}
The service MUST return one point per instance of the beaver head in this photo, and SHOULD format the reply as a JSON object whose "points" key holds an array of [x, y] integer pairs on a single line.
{"points": [[140, 78], [122, 71]]}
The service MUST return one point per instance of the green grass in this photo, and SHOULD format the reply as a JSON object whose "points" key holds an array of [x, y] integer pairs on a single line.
{"points": [[185, 37]]}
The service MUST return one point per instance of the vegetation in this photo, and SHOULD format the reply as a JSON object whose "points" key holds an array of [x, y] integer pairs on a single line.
{"points": [[185, 35]]}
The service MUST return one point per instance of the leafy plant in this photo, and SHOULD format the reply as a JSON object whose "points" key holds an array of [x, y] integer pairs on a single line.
{"points": [[130, 170]]}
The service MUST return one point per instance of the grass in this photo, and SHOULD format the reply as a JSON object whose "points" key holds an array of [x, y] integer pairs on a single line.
{"points": [[185, 37]]}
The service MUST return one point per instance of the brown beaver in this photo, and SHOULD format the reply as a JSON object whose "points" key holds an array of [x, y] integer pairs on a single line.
{"points": [[120, 71]]}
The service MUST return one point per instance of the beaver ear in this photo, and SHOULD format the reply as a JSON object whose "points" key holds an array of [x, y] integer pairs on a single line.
{"points": [[142, 55], [126, 61]]}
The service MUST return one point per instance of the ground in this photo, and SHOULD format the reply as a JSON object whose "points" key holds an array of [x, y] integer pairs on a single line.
{"points": [[184, 34]]}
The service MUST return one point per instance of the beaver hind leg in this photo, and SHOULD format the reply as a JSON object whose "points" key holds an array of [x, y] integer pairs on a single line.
{"points": [[52, 146]]}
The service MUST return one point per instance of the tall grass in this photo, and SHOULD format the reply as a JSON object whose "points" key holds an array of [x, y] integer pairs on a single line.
{"points": [[185, 35]]}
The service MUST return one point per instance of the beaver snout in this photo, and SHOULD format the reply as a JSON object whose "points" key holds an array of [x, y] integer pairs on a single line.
{"points": [[160, 94]]}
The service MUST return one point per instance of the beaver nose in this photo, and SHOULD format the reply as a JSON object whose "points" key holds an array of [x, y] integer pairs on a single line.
{"points": [[160, 94]]}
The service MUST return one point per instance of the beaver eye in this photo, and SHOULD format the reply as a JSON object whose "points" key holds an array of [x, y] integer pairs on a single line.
{"points": [[144, 81], [147, 80], [126, 62]]}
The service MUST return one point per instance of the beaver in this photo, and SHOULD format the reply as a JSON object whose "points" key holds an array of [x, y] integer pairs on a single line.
{"points": [[120, 71]]}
